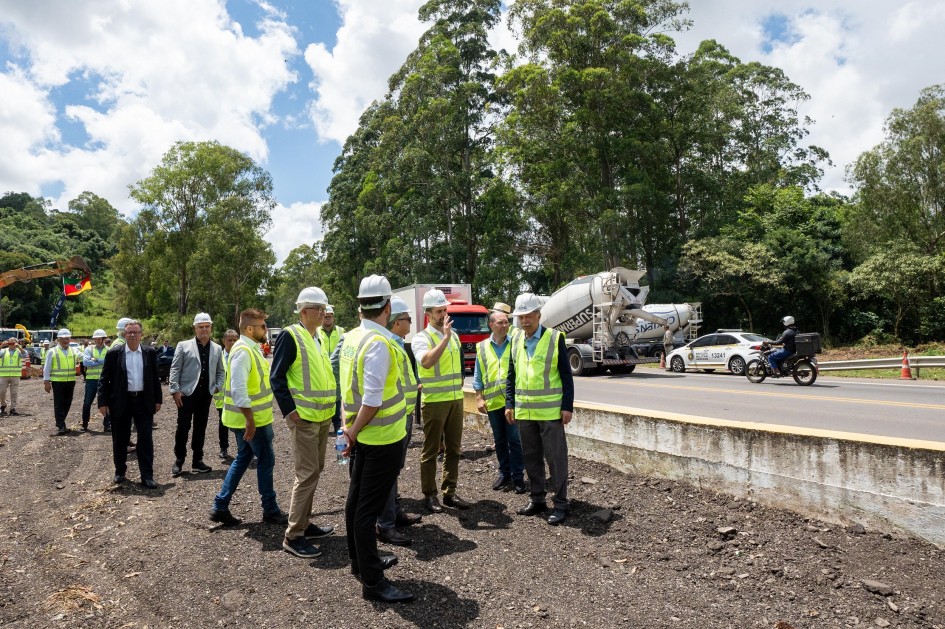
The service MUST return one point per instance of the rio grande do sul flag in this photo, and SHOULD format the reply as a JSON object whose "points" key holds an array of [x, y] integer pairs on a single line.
{"points": [[77, 287]]}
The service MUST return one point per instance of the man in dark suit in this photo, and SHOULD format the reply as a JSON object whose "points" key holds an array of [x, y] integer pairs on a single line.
{"points": [[129, 391]]}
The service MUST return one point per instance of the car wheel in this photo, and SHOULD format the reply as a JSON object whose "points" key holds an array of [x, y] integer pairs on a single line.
{"points": [[737, 365], [677, 364]]}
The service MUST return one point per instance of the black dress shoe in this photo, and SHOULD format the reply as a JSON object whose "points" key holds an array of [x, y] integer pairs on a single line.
{"points": [[387, 561], [520, 486], [500, 482], [433, 505], [224, 517], [407, 519], [149, 483], [280, 517], [119, 479], [533, 508], [557, 516], [177, 469], [385, 592], [200, 467], [456, 502], [393, 537]]}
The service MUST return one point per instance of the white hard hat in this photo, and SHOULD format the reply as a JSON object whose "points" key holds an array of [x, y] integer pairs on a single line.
{"points": [[434, 298], [788, 320], [329, 309], [397, 307], [202, 317], [375, 286], [120, 326], [99, 334], [311, 296], [64, 332], [45, 342], [527, 302]]}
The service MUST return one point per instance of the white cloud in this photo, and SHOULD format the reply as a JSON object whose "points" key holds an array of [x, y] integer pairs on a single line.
{"points": [[159, 73], [373, 41], [297, 224]]}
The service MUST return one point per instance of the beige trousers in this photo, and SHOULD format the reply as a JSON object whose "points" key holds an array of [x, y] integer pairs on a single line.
{"points": [[441, 421], [309, 440], [14, 383]]}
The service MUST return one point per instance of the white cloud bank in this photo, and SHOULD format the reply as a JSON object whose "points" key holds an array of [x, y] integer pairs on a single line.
{"points": [[294, 225]]}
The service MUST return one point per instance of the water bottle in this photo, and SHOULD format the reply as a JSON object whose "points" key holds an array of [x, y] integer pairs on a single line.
{"points": [[341, 444]]}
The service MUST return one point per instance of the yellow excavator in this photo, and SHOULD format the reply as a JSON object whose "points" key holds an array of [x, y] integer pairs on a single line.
{"points": [[46, 269]]}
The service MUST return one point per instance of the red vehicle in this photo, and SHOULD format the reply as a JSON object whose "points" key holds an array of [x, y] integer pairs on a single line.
{"points": [[470, 321]]}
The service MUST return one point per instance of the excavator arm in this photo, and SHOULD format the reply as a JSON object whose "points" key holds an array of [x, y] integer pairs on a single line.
{"points": [[46, 269]]}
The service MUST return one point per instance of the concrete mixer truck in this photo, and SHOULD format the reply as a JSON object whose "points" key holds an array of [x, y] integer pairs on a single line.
{"points": [[603, 317]]}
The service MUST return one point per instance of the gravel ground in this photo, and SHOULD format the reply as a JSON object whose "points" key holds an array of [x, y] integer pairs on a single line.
{"points": [[636, 551]]}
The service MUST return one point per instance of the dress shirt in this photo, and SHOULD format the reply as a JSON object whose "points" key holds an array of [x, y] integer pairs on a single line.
{"points": [[47, 366], [203, 382], [134, 365], [239, 373], [376, 366], [419, 343], [499, 350]]}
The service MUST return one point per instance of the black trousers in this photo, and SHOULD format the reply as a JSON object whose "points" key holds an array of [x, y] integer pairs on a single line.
{"points": [[373, 471], [62, 393], [222, 432], [135, 412], [195, 409]]}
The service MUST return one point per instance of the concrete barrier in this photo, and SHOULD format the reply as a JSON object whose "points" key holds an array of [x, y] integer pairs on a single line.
{"points": [[882, 482]]}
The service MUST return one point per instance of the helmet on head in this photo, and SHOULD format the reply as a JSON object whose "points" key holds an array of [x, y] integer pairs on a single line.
{"points": [[375, 287], [311, 296], [788, 320], [65, 333], [434, 298], [202, 317], [99, 334], [500, 306], [45, 342], [120, 326], [329, 309], [397, 307], [526, 303]]}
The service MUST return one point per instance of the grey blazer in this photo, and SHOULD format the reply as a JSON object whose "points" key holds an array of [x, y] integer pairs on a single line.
{"points": [[185, 368]]}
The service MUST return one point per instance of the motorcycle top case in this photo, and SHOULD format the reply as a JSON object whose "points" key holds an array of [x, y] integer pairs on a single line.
{"points": [[807, 344]]}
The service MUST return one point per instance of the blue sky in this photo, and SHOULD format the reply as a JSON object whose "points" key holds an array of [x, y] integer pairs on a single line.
{"points": [[92, 94]]}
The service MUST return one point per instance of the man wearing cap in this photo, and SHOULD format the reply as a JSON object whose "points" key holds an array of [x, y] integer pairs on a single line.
{"points": [[129, 391], [59, 377], [196, 374], [539, 396], [393, 515], [94, 359], [375, 429], [489, 383], [328, 335], [304, 387], [11, 368], [440, 359]]}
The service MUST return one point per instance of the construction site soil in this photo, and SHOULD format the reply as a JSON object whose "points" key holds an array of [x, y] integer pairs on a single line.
{"points": [[77, 551]]}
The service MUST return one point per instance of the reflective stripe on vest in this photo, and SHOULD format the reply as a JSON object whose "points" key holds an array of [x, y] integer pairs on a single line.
{"points": [[63, 365], [538, 390], [389, 423], [257, 386], [11, 363], [218, 396], [310, 380], [494, 372], [411, 386], [94, 373], [444, 381]]}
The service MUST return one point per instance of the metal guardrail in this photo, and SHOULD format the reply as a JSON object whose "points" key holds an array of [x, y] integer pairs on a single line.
{"points": [[916, 362]]}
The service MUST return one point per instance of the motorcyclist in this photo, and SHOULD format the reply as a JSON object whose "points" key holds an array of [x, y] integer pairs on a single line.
{"points": [[786, 341]]}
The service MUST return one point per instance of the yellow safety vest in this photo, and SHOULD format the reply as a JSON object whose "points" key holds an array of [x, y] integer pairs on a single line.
{"points": [[257, 386], [94, 373], [330, 341], [494, 372], [117, 343], [444, 381], [63, 365], [42, 355], [218, 396], [411, 386], [537, 381], [389, 424], [311, 381], [11, 363]]}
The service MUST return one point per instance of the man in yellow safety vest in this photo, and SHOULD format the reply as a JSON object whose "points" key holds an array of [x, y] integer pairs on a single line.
{"points": [[329, 335], [11, 368], [94, 359], [59, 377]]}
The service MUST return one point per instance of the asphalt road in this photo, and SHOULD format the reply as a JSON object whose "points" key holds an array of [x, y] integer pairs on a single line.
{"points": [[913, 410]]}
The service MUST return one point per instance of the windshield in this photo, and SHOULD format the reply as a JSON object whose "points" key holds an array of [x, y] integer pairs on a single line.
{"points": [[470, 323], [754, 338]]}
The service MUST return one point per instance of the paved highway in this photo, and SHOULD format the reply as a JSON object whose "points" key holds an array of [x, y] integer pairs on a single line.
{"points": [[913, 410]]}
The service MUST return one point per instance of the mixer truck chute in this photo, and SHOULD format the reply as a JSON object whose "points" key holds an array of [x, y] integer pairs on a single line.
{"points": [[604, 315]]}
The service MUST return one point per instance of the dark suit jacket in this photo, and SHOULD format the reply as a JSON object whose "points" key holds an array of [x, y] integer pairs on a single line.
{"points": [[113, 383]]}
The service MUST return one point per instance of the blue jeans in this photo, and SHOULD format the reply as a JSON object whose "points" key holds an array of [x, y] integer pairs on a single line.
{"points": [[777, 358], [91, 388], [261, 446], [508, 446]]}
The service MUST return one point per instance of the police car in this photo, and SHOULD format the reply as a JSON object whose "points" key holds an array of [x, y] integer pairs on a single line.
{"points": [[726, 349]]}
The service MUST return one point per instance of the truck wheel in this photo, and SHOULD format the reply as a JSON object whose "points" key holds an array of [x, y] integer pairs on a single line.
{"points": [[620, 369], [677, 364], [576, 361]]}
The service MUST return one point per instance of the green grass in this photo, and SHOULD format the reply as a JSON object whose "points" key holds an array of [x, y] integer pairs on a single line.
{"points": [[927, 373]]}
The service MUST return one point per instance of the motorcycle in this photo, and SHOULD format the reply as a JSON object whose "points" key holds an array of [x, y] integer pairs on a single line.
{"points": [[801, 367]]}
